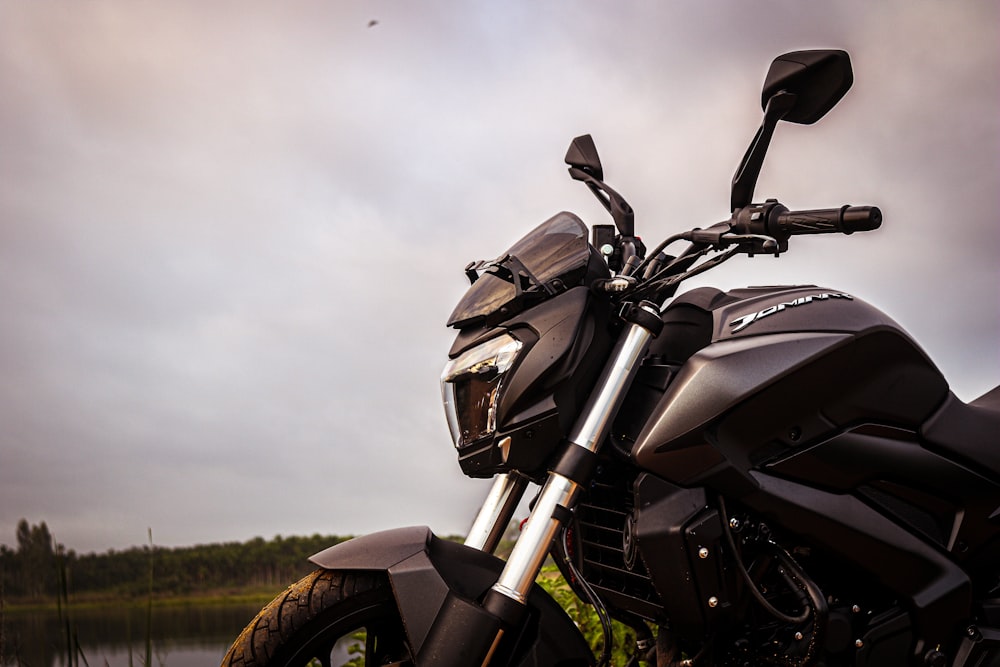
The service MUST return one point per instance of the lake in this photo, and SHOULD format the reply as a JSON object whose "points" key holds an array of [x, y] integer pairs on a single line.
{"points": [[182, 636]]}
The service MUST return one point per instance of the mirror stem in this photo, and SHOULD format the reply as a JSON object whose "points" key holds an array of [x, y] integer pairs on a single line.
{"points": [[745, 179]]}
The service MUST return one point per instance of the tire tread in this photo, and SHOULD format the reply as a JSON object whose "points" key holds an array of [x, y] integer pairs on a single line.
{"points": [[289, 611]]}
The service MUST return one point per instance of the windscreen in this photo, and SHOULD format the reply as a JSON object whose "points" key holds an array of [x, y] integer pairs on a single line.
{"points": [[555, 249]]}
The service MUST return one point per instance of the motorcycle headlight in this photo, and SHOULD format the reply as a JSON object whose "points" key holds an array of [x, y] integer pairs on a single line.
{"points": [[470, 387]]}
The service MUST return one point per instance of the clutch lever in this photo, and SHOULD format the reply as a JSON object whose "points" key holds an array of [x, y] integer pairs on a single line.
{"points": [[767, 244]]}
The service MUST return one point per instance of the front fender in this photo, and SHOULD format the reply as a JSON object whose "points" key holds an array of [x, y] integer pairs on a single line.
{"points": [[429, 574]]}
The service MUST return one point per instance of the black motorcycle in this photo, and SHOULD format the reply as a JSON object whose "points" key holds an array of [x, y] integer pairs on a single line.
{"points": [[765, 476]]}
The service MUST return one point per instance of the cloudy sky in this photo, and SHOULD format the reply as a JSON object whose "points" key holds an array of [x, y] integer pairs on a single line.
{"points": [[231, 232]]}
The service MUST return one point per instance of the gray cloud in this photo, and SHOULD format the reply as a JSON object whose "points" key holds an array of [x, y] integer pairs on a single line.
{"points": [[229, 237]]}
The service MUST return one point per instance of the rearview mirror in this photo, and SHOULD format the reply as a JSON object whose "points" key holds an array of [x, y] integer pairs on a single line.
{"points": [[582, 154], [585, 165], [800, 87], [818, 79]]}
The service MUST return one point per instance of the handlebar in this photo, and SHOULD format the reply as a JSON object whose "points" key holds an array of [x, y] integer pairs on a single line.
{"points": [[766, 227], [754, 229], [846, 220], [774, 221]]}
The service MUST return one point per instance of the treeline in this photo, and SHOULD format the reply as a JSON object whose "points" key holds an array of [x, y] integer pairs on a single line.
{"points": [[39, 568]]}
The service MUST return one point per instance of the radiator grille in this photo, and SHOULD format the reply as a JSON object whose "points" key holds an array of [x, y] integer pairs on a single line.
{"points": [[600, 547]]}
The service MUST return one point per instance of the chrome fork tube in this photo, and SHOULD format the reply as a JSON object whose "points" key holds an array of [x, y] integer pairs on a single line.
{"points": [[532, 546], [491, 522], [559, 492], [594, 422]]}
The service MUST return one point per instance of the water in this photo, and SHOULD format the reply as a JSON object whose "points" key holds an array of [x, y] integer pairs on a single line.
{"points": [[182, 636]]}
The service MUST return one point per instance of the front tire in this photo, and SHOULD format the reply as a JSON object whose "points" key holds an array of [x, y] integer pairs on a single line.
{"points": [[316, 619]]}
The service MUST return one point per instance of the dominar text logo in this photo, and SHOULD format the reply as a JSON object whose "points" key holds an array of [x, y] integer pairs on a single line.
{"points": [[742, 323]]}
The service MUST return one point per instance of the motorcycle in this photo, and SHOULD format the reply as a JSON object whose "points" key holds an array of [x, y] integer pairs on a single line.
{"points": [[770, 475]]}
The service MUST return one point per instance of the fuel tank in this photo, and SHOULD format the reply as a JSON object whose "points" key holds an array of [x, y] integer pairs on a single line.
{"points": [[741, 378]]}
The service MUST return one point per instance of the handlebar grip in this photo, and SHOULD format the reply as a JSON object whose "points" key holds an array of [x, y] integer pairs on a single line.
{"points": [[846, 220]]}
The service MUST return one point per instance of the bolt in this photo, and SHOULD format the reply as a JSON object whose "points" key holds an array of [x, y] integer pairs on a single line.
{"points": [[713, 602], [798, 636], [856, 609], [935, 658], [703, 553], [858, 643], [734, 523]]}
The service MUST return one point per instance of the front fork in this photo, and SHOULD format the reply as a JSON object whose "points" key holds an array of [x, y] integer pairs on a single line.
{"points": [[506, 599], [496, 512]]}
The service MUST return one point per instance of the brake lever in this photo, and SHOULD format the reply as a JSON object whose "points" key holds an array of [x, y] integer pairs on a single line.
{"points": [[721, 235]]}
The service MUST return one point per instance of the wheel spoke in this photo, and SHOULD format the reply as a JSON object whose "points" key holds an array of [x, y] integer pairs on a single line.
{"points": [[324, 655], [385, 646], [371, 657]]}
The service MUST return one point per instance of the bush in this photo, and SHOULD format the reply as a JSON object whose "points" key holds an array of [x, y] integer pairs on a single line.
{"points": [[586, 619]]}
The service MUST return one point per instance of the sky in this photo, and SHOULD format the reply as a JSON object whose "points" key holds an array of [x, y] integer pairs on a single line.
{"points": [[231, 232]]}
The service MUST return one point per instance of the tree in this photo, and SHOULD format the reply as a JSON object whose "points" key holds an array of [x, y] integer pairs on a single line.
{"points": [[35, 559]]}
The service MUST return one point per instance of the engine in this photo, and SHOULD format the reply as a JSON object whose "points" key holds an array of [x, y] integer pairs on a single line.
{"points": [[721, 583]]}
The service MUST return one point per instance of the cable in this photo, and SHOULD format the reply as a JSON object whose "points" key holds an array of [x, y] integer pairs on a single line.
{"points": [[595, 602], [650, 255], [771, 609], [654, 286]]}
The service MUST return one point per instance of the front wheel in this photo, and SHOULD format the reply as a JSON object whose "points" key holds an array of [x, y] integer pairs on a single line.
{"points": [[328, 618]]}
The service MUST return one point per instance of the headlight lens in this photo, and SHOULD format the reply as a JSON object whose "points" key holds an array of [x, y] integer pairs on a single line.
{"points": [[470, 387]]}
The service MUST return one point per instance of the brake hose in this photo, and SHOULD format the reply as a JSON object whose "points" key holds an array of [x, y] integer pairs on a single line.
{"points": [[595, 602]]}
